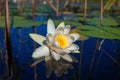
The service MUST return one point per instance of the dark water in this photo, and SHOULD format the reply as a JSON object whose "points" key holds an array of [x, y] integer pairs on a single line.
{"points": [[93, 64]]}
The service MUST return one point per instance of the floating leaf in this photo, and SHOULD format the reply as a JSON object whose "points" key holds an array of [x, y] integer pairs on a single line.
{"points": [[109, 21], [100, 32]]}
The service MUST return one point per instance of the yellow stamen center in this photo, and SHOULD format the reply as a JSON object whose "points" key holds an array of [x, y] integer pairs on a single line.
{"points": [[62, 41]]}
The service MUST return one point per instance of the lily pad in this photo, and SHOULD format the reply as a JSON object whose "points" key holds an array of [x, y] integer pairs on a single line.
{"points": [[19, 21], [115, 31], [100, 32], [109, 21]]}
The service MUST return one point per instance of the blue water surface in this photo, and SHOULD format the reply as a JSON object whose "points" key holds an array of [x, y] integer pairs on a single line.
{"points": [[93, 64]]}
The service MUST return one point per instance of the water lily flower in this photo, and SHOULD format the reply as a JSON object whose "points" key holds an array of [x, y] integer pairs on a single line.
{"points": [[57, 44]]}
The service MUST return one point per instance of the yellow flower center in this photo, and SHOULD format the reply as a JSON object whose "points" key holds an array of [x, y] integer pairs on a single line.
{"points": [[62, 41]]}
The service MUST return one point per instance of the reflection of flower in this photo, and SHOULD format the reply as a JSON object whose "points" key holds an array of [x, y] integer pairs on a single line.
{"points": [[57, 43], [59, 67]]}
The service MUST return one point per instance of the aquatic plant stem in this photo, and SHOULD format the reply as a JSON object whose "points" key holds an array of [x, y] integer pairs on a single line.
{"points": [[100, 44], [33, 19], [2, 62], [98, 61], [80, 63], [35, 72], [74, 75], [93, 57], [35, 45], [108, 5], [10, 59], [111, 57], [101, 13], [34, 30], [85, 11], [33, 10], [20, 41], [53, 7], [0, 7], [57, 8], [66, 3], [18, 6]]}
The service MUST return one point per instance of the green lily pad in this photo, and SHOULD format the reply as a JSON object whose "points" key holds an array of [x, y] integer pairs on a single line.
{"points": [[19, 21], [26, 23], [115, 31], [100, 32], [109, 21]]}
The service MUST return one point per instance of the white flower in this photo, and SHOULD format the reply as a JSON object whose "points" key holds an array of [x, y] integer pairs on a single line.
{"points": [[57, 44]]}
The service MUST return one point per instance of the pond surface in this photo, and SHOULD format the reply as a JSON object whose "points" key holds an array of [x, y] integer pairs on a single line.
{"points": [[93, 64]]}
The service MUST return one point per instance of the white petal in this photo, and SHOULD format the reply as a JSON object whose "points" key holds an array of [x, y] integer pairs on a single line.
{"points": [[62, 24], [70, 41], [67, 57], [40, 52], [65, 51], [61, 51], [47, 58], [60, 30], [67, 29], [55, 55], [76, 51], [50, 27], [37, 38], [49, 38], [73, 47], [75, 36]]}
